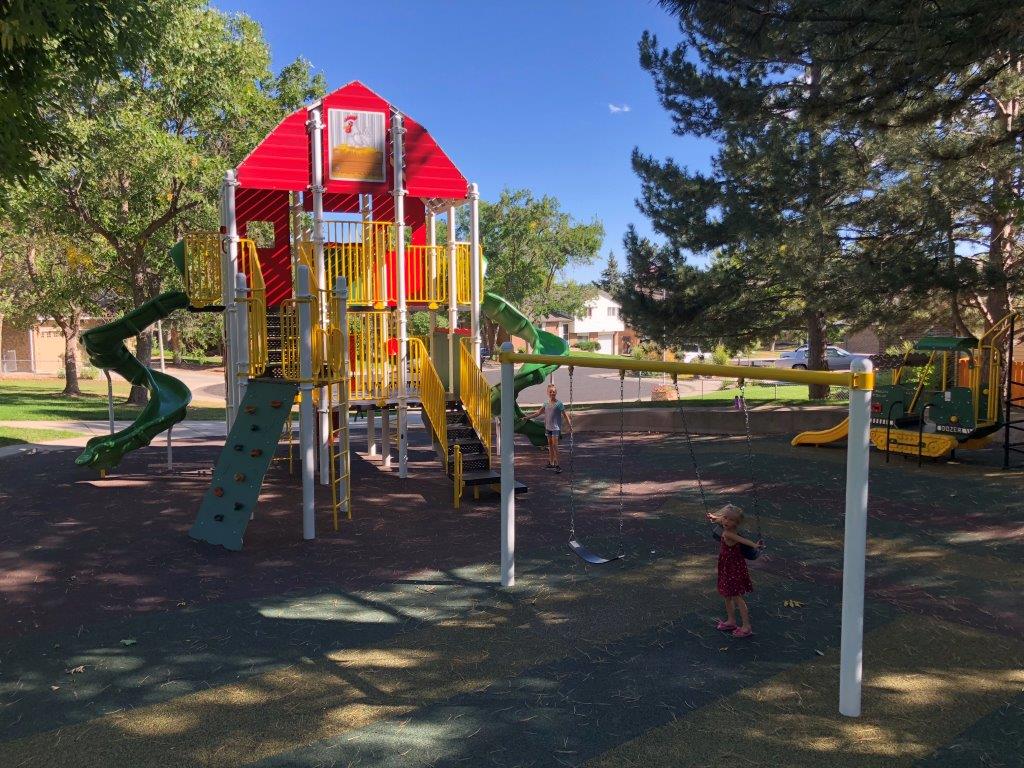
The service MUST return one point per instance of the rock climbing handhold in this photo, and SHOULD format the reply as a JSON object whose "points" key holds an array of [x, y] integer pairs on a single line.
{"points": [[256, 452], [250, 409], [239, 477], [218, 491]]}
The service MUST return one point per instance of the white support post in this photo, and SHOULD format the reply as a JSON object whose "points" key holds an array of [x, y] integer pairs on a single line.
{"points": [[170, 450], [342, 470], [858, 443], [371, 431], [229, 268], [241, 373], [398, 147], [432, 306], [295, 224], [385, 437], [508, 473], [453, 301], [307, 426], [315, 128], [474, 271]]}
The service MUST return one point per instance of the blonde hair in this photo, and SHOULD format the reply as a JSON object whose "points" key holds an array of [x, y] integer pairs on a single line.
{"points": [[732, 512]]}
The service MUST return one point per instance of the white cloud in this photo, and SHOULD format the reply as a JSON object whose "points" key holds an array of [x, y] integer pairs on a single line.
{"points": [[617, 108]]}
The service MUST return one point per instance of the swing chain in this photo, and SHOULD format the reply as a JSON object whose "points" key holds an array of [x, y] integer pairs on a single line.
{"points": [[689, 443], [572, 466], [622, 460], [750, 460]]}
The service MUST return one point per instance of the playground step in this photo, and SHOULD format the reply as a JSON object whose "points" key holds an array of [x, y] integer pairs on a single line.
{"points": [[235, 488], [469, 445], [489, 477]]}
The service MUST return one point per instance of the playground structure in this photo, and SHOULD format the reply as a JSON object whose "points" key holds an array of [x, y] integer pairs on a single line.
{"points": [[947, 393], [327, 242]]}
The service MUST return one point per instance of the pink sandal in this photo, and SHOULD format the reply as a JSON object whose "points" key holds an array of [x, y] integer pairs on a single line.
{"points": [[741, 632], [725, 626]]}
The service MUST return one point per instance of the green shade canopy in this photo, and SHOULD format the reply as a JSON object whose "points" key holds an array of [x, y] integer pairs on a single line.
{"points": [[946, 344]]}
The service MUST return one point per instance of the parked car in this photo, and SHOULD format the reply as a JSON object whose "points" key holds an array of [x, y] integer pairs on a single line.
{"points": [[836, 358], [690, 353]]}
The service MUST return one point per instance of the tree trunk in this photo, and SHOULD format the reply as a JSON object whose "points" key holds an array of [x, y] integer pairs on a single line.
{"points": [[174, 341], [816, 351], [1000, 250], [144, 352], [71, 333]]}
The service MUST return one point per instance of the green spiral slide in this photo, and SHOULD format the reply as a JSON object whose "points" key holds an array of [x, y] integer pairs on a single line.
{"points": [[515, 323], [168, 397]]}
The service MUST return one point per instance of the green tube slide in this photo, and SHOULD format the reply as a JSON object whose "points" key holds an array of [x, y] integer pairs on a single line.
{"points": [[515, 323], [168, 396]]}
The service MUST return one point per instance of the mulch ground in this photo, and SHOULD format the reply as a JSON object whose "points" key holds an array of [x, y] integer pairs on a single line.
{"points": [[124, 642]]}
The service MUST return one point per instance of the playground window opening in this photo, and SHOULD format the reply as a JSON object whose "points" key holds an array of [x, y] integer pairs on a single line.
{"points": [[262, 233]]}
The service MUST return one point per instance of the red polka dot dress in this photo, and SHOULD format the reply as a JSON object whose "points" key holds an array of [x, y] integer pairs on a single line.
{"points": [[733, 576]]}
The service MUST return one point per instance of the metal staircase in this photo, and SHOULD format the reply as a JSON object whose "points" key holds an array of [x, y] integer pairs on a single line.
{"points": [[478, 467]]}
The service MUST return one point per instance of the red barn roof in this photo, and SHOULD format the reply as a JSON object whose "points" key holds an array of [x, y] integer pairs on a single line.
{"points": [[281, 160]]}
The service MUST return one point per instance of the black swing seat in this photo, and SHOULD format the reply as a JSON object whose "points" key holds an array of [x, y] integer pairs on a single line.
{"points": [[586, 555]]}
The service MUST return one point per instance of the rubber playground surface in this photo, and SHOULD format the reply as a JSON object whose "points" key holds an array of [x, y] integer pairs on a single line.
{"points": [[125, 643]]}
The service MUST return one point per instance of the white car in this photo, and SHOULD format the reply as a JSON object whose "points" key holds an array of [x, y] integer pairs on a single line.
{"points": [[836, 359], [689, 353]]}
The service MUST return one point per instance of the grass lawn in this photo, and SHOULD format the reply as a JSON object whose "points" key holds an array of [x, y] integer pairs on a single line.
{"points": [[40, 400], [19, 436]]}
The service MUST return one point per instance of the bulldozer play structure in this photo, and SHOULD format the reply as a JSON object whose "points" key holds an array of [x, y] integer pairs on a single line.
{"points": [[327, 242], [946, 393]]}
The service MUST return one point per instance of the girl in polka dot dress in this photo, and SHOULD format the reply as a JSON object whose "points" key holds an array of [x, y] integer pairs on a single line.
{"points": [[733, 576]]}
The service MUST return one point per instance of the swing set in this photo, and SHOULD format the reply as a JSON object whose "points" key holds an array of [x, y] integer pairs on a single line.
{"points": [[587, 554], [860, 380]]}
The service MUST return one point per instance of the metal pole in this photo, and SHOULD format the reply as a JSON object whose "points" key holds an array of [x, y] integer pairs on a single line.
{"points": [[453, 301], [371, 431], [307, 425], [315, 128], [1009, 393], [110, 399], [241, 373], [341, 296], [508, 472], [160, 343], [229, 267], [385, 437], [432, 306], [474, 271], [170, 453], [858, 444], [397, 143]]}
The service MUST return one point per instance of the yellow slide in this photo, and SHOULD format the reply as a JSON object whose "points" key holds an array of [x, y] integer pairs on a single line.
{"points": [[823, 436]]}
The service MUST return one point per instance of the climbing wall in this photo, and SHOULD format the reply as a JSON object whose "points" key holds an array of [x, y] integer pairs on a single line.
{"points": [[231, 498]]}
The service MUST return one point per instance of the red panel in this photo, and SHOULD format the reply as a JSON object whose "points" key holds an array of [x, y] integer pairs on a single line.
{"points": [[275, 262], [281, 160], [428, 170]]}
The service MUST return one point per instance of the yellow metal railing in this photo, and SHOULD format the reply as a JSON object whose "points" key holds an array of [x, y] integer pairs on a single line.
{"points": [[373, 376], [463, 283], [357, 251], [432, 393], [255, 305], [289, 310], [426, 280], [203, 282], [475, 393]]}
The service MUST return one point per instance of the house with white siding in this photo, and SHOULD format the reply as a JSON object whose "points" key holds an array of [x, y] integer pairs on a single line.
{"points": [[601, 322]]}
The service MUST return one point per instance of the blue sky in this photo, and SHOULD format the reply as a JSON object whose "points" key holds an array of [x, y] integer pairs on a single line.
{"points": [[518, 95]]}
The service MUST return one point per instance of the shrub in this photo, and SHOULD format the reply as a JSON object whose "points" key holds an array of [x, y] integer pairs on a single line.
{"points": [[586, 345], [720, 356]]}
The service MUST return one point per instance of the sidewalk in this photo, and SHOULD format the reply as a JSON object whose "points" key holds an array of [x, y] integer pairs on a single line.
{"points": [[185, 430]]}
